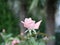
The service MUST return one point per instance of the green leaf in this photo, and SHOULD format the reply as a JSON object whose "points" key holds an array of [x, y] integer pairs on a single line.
{"points": [[33, 4], [9, 35], [41, 43], [52, 37], [32, 41], [2, 43]]}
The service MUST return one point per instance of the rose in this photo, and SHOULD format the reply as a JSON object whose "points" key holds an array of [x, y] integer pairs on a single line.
{"points": [[30, 24]]}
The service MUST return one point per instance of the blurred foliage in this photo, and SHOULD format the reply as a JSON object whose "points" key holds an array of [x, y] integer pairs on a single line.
{"points": [[24, 39], [57, 38], [7, 20], [37, 3]]}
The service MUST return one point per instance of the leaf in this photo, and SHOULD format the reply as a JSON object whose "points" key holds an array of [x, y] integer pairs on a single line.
{"points": [[33, 5], [2, 43], [43, 2], [52, 37], [9, 35], [23, 43], [41, 43], [32, 41]]}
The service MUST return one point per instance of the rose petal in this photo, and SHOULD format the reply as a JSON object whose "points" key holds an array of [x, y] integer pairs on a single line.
{"points": [[37, 24]]}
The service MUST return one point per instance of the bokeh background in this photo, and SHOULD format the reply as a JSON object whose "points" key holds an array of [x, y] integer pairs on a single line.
{"points": [[12, 12]]}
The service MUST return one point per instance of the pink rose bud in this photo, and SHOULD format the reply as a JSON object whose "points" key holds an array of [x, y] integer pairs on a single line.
{"points": [[15, 41]]}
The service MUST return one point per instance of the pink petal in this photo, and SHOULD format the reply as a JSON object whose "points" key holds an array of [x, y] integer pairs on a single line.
{"points": [[26, 19], [37, 24], [15, 41]]}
